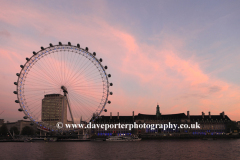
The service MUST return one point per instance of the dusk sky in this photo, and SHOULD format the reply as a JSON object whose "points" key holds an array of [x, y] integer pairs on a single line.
{"points": [[183, 55]]}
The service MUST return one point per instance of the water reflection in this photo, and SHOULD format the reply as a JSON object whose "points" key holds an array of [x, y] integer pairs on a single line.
{"points": [[148, 149]]}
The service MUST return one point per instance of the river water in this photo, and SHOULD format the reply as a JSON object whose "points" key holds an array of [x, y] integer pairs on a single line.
{"points": [[193, 149]]}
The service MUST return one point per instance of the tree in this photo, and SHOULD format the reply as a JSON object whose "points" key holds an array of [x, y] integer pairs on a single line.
{"points": [[14, 130], [3, 130], [27, 131]]}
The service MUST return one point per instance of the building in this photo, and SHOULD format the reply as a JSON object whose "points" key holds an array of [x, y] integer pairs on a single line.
{"points": [[54, 109], [1, 122], [238, 124], [113, 120], [209, 124], [20, 124]]}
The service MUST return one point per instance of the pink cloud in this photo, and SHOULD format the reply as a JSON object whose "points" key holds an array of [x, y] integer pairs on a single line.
{"points": [[190, 71], [178, 84]]}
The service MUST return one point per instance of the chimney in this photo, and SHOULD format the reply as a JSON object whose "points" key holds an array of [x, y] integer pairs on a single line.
{"points": [[110, 115], [223, 114], [209, 113], [118, 115], [133, 115], [203, 114], [188, 115]]}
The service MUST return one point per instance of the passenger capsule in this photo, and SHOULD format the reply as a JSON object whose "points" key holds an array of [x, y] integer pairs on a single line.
{"points": [[50, 45], [15, 83], [105, 110], [16, 101], [18, 74], [109, 75], [94, 53], [42, 48], [27, 59], [69, 43], [106, 67], [15, 92], [60, 43], [111, 93], [78, 45], [20, 109], [25, 117], [109, 102], [100, 59], [111, 84], [21, 66], [86, 48], [34, 53]]}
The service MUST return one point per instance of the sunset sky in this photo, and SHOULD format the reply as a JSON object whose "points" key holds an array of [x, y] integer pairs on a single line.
{"points": [[183, 55]]}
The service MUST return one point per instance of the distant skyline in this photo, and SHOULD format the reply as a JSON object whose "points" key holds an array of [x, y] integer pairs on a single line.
{"points": [[183, 55]]}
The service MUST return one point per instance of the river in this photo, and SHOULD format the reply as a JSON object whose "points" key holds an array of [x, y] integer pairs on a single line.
{"points": [[193, 149]]}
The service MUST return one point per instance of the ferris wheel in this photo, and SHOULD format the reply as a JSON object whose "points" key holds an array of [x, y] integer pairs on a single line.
{"points": [[62, 83]]}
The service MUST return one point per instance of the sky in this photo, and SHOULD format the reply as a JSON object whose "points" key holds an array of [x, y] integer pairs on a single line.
{"points": [[182, 55]]}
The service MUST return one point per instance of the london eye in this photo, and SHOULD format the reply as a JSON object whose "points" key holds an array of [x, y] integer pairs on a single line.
{"points": [[62, 83]]}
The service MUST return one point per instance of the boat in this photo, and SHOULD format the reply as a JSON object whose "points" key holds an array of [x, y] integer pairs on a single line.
{"points": [[209, 139], [35, 140], [40, 140], [123, 138], [73, 140]]}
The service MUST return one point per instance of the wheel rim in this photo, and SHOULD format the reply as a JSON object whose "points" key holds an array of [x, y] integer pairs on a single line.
{"points": [[63, 65]]}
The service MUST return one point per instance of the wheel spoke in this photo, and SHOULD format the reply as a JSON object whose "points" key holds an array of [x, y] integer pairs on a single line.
{"points": [[41, 81]]}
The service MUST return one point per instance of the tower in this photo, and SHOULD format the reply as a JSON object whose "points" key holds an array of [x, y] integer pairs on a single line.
{"points": [[53, 105], [158, 114]]}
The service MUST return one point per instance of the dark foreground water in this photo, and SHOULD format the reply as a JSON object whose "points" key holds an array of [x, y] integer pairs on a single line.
{"points": [[146, 149]]}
